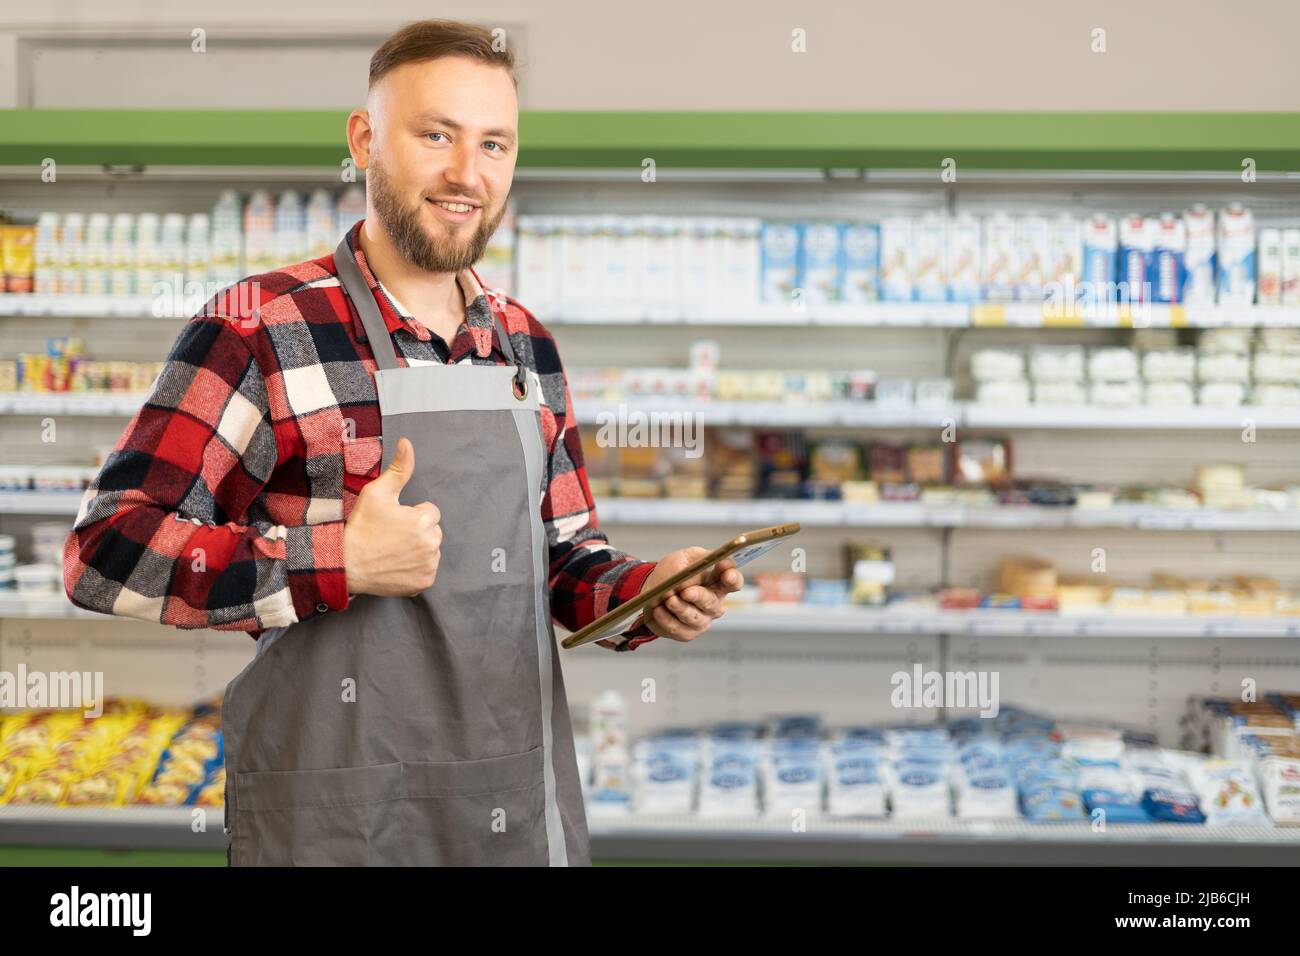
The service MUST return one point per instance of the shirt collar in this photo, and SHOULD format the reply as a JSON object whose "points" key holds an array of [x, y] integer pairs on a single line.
{"points": [[478, 312]]}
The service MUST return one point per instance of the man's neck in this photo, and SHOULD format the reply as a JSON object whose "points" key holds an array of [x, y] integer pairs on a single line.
{"points": [[434, 298]]}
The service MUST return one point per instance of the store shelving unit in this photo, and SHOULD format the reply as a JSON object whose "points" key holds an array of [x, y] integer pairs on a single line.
{"points": [[1135, 668]]}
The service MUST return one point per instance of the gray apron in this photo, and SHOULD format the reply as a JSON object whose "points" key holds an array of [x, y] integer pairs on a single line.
{"points": [[427, 730]]}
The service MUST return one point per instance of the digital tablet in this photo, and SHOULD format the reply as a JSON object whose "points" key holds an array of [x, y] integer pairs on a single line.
{"points": [[743, 548]]}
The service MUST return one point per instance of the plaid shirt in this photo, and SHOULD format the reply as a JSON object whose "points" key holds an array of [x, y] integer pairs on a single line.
{"points": [[223, 503]]}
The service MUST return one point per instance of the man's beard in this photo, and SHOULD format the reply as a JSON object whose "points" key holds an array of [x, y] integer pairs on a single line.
{"points": [[412, 242]]}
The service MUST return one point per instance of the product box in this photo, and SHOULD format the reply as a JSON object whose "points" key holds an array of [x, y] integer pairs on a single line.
{"points": [[1200, 257], [998, 270], [1031, 238], [896, 280], [1100, 242], [1291, 267], [860, 251], [821, 263], [1235, 246], [1136, 250], [780, 260], [1270, 267], [929, 248], [1168, 275], [1064, 266], [963, 259]]}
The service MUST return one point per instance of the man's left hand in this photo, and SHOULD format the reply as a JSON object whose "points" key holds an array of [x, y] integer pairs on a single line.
{"points": [[695, 603]]}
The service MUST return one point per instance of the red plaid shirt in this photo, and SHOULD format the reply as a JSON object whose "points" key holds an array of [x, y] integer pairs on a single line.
{"points": [[223, 503]]}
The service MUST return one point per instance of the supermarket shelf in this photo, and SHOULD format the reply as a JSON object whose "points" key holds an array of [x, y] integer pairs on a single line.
{"points": [[799, 414], [910, 514], [940, 841], [830, 840], [873, 315], [857, 621], [40, 502], [999, 140], [795, 618], [122, 404]]}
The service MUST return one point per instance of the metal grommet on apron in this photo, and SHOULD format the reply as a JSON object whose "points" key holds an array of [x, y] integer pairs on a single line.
{"points": [[427, 730]]}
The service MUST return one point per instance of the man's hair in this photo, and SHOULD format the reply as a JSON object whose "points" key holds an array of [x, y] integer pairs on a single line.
{"points": [[432, 39]]}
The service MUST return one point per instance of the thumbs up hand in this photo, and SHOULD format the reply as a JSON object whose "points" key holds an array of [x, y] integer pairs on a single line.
{"points": [[389, 548]]}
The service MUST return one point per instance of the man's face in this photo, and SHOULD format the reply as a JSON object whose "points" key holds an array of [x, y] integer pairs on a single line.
{"points": [[442, 132]]}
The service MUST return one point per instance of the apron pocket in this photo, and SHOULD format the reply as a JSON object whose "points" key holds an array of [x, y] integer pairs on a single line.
{"points": [[489, 812], [335, 817]]}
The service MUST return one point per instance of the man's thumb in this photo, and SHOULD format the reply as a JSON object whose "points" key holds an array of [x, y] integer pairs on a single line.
{"points": [[399, 470]]}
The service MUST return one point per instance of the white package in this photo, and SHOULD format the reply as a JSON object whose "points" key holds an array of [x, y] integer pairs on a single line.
{"points": [[1225, 340], [1166, 394], [855, 787], [919, 789], [896, 279], [1169, 365], [1221, 394], [929, 258], [934, 392], [1226, 792], [1060, 393], [986, 795], [1032, 251], [1003, 392], [1112, 364], [1276, 396], [1115, 394], [1291, 266], [1056, 363], [1223, 367], [990, 364], [1276, 367], [1279, 780], [998, 269], [792, 783], [963, 258]]}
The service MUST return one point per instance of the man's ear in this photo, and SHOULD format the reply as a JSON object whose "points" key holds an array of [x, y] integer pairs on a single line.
{"points": [[360, 133]]}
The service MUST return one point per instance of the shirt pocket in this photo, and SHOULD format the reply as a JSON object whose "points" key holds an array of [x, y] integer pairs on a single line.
{"points": [[361, 458]]}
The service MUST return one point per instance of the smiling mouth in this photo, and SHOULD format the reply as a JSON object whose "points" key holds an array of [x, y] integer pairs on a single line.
{"points": [[456, 207]]}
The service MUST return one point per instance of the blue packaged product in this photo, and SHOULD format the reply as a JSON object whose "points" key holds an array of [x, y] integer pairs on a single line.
{"points": [[1168, 275], [860, 260], [1119, 806], [1136, 249], [781, 267], [1174, 806], [1100, 241], [797, 725], [821, 279], [1041, 804]]}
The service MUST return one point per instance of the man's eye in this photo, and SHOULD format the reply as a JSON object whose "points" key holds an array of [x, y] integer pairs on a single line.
{"points": [[499, 146], [435, 134]]}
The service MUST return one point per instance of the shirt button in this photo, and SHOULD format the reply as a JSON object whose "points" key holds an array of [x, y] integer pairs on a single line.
{"points": [[322, 607]]}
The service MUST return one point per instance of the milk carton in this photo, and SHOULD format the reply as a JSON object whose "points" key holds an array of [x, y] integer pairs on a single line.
{"points": [[1100, 241], [929, 245], [1199, 258], [1291, 267], [998, 270], [1031, 257], [963, 257], [896, 281], [1136, 250], [1235, 243], [661, 275], [860, 249], [1270, 267], [740, 259], [1168, 275], [781, 273], [821, 263], [537, 258], [1064, 265]]}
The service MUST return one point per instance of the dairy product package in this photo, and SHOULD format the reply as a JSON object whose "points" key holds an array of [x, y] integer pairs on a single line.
{"points": [[1199, 259], [1291, 267], [729, 785], [929, 258], [855, 786], [1226, 792], [919, 788], [988, 364], [1100, 243], [1276, 396], [1064, 266], [1169, 394], [1223, 367], [1115, 394], [666, 774], [896, 280], [537, 274], [1168, 275], [821, 263], [1235, 252], [1221, 394], [1137, 236], [1060, 393], [963, 258], [1062, 363], [999, 268], [1269, 260], [860, 248], [1177, 364], [1112, 364], [793, 782], [780, 263], [1032, 250], [661, 265]]}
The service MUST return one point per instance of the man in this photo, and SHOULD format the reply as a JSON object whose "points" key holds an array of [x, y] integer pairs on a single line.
{"points": [[300, 473]]}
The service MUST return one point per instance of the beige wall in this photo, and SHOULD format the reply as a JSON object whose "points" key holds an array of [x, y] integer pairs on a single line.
{"points": [[677, 54]]}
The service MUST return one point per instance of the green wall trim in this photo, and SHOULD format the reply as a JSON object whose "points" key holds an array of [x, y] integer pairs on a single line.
{"points": [[992, 140]]}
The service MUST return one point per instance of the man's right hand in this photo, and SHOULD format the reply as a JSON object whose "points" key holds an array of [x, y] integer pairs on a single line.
{"points": [[389, 548]]}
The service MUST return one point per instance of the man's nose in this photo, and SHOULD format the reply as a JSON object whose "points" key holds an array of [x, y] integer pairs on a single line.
{"points": [[462, 169]]}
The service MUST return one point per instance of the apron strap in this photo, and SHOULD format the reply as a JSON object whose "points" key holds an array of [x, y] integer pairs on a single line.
{"points": [[381, 342]]}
